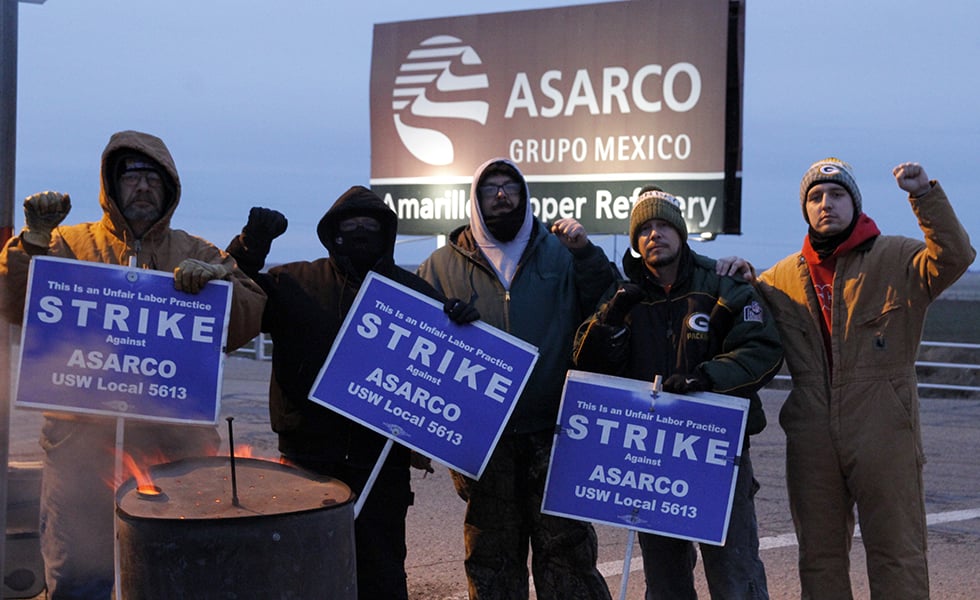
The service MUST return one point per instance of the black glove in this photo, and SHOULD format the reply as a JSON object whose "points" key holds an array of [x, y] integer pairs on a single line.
{"points": [[680, 383], [460, 312], [264, 225], [625, 298]]}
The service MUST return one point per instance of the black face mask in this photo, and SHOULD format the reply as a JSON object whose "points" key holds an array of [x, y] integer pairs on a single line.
{"points": [[361, 247], [825, 245], [505, 227]]}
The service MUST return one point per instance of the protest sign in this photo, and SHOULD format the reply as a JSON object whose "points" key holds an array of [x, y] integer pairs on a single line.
{"points": [[400, 367], [120, 341], [629, 456]]}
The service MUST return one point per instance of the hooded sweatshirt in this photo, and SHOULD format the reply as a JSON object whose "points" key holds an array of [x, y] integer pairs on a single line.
{"points": [[111, 240], [503, 256], [307, 304], [551, 291]]}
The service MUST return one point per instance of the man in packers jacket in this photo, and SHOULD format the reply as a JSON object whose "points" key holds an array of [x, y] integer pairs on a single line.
{"points": [[139, 193], [701, 332], [307, 304]]}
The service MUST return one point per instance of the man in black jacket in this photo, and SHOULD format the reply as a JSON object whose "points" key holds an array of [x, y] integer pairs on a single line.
{"points": [[306, 306], [701, 332]]}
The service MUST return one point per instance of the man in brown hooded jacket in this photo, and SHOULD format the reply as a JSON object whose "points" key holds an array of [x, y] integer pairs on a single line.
{"points": [[140, 190], [850, 308]]}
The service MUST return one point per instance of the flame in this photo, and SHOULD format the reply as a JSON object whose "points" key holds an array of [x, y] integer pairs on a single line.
{"points": [[141, 475], [244, 451], [139, 469]]}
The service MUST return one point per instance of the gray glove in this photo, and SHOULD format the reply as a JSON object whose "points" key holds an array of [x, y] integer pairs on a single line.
{"points": [[42, 213], [191, 274]]}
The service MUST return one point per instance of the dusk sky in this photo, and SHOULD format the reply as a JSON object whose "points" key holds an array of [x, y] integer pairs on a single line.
{"points": [[267, 103]]}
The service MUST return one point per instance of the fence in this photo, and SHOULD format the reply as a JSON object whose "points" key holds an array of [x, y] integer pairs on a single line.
{"points": [[936, 374], [260, 348], [933, 374]]}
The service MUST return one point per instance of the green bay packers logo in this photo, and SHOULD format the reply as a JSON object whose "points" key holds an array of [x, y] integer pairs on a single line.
{"points": [[698, 322], [697, 326]]}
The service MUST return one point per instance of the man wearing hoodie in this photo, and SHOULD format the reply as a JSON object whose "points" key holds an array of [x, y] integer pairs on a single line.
{"points": [[537, 285], [850, 308], [307, 304], [139, 192]]}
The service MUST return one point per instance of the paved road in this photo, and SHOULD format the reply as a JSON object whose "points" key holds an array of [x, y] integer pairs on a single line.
{"points": [[951, 433]]}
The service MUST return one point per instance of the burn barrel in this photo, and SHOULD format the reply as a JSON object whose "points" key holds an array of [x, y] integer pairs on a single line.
{"points": [[289, 535]]}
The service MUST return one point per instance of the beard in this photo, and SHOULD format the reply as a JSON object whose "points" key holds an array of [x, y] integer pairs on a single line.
{"points": [[142, 210], [505, 227], [662, 259]]}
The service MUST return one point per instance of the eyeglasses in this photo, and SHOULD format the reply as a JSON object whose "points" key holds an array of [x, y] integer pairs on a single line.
{"points": [[132, 178], [354, 223], [511, 188]]}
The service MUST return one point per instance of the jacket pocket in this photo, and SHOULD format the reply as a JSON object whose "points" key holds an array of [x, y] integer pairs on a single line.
{"points": [[881, 337]]}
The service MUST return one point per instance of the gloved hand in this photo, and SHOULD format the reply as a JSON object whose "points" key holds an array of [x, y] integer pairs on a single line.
{"points": [[680, 383], [625, 298], [263, 226], [460, 312], [191, 274], [42, 213]]}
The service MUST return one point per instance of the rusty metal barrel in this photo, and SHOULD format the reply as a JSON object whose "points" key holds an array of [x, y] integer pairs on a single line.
{"points": [[282, 533]]}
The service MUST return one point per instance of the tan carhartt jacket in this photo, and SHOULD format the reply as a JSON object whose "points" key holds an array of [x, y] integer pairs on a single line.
{"points": [[111, 241], [880, 297]]}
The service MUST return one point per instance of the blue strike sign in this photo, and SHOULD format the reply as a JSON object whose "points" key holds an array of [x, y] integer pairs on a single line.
{"points": [[651, 461], [119, 341], [399, 366]]}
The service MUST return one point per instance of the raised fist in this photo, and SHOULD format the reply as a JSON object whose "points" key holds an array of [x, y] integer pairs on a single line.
{"points": [[42, 213], [263, 226]]}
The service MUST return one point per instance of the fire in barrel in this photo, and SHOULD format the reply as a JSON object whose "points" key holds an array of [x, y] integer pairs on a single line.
{"points": [[217, 527]]}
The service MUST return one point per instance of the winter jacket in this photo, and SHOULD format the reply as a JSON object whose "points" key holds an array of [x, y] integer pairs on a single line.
{"points": [[307, 304], [881, 293], [111, 241], [707, 325], [552, 290]]}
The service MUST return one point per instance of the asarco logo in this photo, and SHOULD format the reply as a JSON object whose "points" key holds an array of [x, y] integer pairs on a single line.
{"points": [[427, 73]]}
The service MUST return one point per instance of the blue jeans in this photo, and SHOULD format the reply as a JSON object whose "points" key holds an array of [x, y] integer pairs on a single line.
{"points": [[734, 571]]}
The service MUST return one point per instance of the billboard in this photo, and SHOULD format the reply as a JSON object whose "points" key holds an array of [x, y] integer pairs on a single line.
{"points": [[591, 102]]}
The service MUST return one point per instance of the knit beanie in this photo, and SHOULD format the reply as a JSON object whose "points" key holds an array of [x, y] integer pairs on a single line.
{"points": [[654, 203], [832, 170]]}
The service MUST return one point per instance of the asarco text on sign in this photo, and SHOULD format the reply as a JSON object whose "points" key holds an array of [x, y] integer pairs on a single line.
{"points": [[591, 102], [400, 367], [120, 341], [652, 461]]}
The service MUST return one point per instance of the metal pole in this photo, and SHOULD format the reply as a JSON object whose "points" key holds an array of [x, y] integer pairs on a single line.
{"points": [[8, 115], [8, 149], [8, 146]]}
